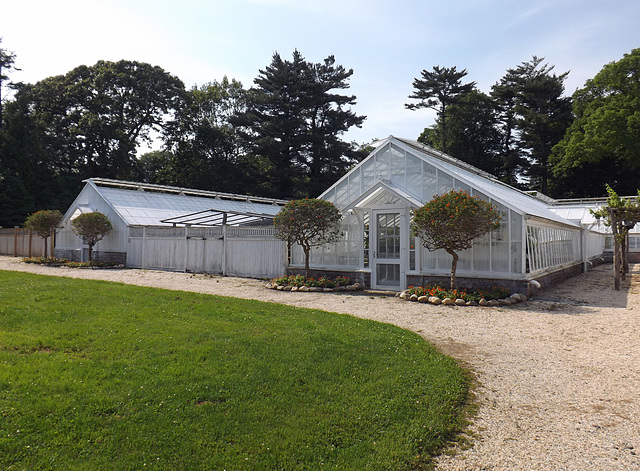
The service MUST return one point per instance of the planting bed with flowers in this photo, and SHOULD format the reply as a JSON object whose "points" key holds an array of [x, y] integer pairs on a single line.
{"points": [[63, 262], [496, 296], [302, 283]]}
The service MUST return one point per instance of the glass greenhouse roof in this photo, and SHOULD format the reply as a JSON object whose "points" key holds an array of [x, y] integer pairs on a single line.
{"points": [[485, 182], [150, 205]]}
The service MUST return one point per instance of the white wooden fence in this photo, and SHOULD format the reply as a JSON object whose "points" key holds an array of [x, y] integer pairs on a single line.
{"points": [[21, 242], [227, 250]]}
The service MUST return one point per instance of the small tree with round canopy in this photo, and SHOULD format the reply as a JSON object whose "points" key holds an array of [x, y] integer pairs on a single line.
{"points": [[92, 227], [452, 222], [309, 223], [44, 223]]}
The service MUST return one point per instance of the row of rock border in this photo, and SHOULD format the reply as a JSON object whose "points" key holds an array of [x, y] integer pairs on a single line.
{"points": [[513, 299], [313, 289]]}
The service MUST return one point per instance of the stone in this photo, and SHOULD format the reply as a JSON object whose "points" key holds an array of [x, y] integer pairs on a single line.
{"points": [[280, 288], [483, 302], [269, 286], [350, 288], [460, 302], [413, 297], [435, 300], [304, 289], [357, 286], [448, 302], [493, 303], [504, 302], [404, 295], [523, 298], [327, 290], [423, 299], [286, 288], [471, 303], [315, 289]]}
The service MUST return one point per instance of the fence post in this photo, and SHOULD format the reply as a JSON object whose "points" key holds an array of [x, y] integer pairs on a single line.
{"points": [[15, 241]]}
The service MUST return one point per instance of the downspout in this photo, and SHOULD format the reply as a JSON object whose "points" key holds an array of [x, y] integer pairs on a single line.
{"points": [[584, 233], [224, 244], [186, 252], [144, 245]]}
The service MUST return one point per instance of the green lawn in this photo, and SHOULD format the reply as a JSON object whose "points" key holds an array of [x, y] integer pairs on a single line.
{"points": [[97, 375]]}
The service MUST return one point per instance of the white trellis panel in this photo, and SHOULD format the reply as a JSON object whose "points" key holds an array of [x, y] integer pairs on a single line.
{"points": [[250, 251]]}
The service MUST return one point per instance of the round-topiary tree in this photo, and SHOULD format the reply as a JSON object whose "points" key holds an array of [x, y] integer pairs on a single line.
{"points": [[309, 223], [452, 222], [92, 227], [44, 223]]}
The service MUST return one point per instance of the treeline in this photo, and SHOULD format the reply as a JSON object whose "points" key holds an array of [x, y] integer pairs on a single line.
{"points": [[529, 134], [283, 137], [280, 138]]}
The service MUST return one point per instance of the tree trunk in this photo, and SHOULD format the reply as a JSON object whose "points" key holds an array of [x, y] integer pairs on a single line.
{"points": [[454, 266], [46, 239], [90, 251], [307, 251]]}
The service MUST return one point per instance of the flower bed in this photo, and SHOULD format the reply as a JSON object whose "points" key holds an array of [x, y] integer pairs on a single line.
{"points": [[496, 296], [63, 262], [304, 284]]}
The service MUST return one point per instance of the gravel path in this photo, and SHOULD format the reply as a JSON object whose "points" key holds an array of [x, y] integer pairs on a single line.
{"points": [[558, 376]]}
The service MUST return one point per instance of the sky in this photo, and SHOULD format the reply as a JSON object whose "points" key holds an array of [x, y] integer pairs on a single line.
{"points": [[387, 43]]}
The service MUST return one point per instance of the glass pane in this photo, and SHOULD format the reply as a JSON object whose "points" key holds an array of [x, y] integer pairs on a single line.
{"points": [[516, 226], [382, 165], [516, 257], [460, 186], [354, 186], [445, 183], [465, 260], [388, 241], [342, 194], [429, 182], [397, 167], [500, 257], [481, 254], [414, 175], [388, 274], [368, 177]]}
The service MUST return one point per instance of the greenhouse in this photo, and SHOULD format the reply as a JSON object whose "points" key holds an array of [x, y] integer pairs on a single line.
{"points": [[540, 240], [178, 229], [377, 197]]}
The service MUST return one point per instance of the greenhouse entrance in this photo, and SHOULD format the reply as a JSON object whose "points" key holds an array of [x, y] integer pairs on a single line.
{"points": [[387, 268]]}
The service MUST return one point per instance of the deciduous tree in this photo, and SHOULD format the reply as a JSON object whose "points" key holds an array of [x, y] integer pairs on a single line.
{"points": [[602, 146], [621, 215], [44, 223], [308, 223], [92, 227], [452, 222]]}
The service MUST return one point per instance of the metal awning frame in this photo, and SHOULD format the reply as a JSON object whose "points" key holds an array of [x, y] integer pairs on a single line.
{"points": [[215, 217]]}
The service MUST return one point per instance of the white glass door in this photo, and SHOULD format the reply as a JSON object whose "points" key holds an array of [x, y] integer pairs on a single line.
{"points": [[387, 243]]}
